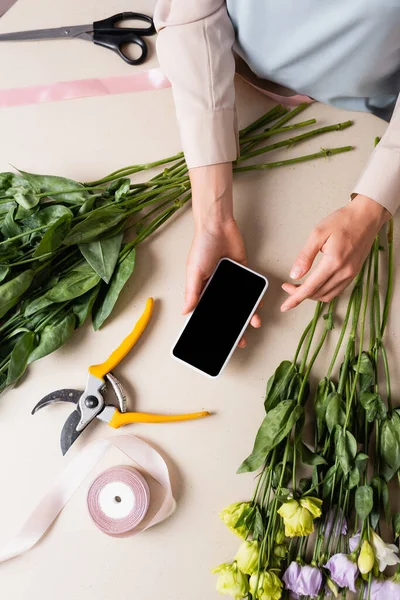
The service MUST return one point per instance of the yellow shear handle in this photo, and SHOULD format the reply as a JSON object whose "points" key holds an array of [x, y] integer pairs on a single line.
{"points": [[119, 419], [100, 371]]}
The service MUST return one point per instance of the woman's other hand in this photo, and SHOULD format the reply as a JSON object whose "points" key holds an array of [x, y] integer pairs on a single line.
{"points": [[344, 238]]}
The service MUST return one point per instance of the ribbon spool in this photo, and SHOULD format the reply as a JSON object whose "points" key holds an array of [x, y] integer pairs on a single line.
{"points": [[118, 500]]}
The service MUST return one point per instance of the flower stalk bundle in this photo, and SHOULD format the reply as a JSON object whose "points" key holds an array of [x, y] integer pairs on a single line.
{"points": [[320, 535], [65, 248]]}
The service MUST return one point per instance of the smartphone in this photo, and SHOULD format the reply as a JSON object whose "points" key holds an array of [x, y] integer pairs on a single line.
{"points": [[220, 318]]}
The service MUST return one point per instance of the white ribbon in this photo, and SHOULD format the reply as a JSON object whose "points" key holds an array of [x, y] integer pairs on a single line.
{"points": [[72, 477]]}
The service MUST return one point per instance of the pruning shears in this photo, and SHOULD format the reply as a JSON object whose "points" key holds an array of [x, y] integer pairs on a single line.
{"points": [[91, 403]]}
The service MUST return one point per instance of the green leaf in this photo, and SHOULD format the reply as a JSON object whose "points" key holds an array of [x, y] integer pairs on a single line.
{"points": [[396, 525], [20, 356], [102, 255], [83, 305], [353, 478], [109, 295], [278, 384], [53, 336], [390, 441], [57, 188], [76, 283], [9, 227], [17, 187], [364, 501], [346, 450], [277, 423], [4, 208], [47, 215], [95, 225], [36, 305], [12, 290], [325, 388], [361, 462], [335, 414], [122, 189], [331, 479], [373, 405], [308, 457], [4, 271], [367, 372], [87, 206], [386, 502], [54, 236]]}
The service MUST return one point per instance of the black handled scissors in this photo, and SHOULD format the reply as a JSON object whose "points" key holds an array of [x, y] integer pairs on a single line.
{"points": [[103, 33]]}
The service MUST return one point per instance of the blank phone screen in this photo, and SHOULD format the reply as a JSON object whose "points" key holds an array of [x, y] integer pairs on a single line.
{"points": [[218, 319]]}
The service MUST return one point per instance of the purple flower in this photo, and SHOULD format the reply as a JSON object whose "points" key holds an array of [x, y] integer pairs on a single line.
{"points": [[377, 591], [335, 514], [390, 590], [303, 581], [354, 541], [343, 571], [291, 576]]}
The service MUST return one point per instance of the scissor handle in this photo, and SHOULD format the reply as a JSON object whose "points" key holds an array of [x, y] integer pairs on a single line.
{"points": [[110, 23], [101, 370], [120, 419], [116, 41]]}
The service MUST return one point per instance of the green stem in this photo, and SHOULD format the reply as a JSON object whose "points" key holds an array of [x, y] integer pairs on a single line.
{"points": [[361, 344], [263, 120], [295, 140], [324, 153], [314, 322], [389, 288], [317, 350], [125, 171], [275, 131]]}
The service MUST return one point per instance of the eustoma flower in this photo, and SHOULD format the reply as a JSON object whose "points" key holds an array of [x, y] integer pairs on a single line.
{"points": [[231, 515], [366, 558], [303, 581], [385, 553], [298, 516], [266, 586], [343, 571], [247, 557], [231, 581], [376, 591]]}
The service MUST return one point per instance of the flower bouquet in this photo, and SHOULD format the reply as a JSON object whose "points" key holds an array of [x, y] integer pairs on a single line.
{"points": [[316, 524]]}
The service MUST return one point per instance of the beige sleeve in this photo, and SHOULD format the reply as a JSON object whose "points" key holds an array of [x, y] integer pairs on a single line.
{"points": [[381, 177], [194, 47]]}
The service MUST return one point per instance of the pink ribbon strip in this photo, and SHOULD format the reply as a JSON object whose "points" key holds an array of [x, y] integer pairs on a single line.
{"points": [[152, 79], [5, 5], [73, 476]]}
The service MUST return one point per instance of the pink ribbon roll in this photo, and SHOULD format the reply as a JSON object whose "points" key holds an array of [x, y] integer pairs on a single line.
{"points": [[118, 500], [73, 476]]}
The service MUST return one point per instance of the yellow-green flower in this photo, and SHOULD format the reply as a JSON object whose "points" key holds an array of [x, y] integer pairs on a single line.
{"points": [[280, 550], [298, 516], [231, 515], [247, 557], [231, 581], [269, 586], [366, 558]]}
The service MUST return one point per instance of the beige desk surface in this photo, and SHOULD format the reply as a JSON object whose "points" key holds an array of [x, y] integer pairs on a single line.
{"points": [[85, 139]]}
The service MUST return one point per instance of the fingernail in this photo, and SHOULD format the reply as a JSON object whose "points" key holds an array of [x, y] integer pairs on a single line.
{"points": [[296, 272], [285, 308]]}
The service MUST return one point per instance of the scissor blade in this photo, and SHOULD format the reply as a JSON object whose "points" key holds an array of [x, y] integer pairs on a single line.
{"points": [[48, 34], [69, 433], [58, 396]]}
